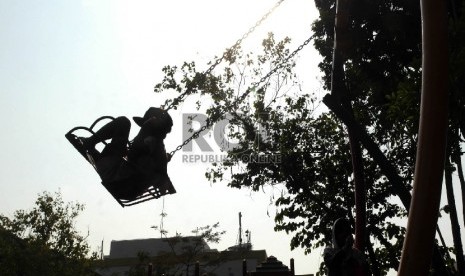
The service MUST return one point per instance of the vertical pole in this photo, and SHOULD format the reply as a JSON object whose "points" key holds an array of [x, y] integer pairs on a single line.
{"points": [[150, 269], [424, 208], [292, 267], [240, 229], [338, 89], [340, 43], [244, 267], [197, 269], [360, 192], [101, 250], [454, 221]]}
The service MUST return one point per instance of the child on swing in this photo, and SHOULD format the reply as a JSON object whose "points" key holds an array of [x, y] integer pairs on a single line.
{"points": [[128, 170]]}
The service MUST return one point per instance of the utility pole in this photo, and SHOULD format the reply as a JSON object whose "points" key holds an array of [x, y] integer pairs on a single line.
{"points": [[429, 168], [339, 90]]}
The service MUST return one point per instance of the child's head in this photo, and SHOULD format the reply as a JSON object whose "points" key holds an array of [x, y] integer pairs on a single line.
{"points": [[341, 231], [166, 122]]}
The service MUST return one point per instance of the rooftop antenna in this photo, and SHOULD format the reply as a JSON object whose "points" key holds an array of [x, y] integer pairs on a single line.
{"points": [[101, 251], [240, 229], [248, 236], [247, 245], [162, 215]]}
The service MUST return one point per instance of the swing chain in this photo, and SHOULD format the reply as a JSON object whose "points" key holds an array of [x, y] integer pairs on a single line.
{"points": [[194, 136], [244, 36], [271, 72], [212, 120], [220, 59]]}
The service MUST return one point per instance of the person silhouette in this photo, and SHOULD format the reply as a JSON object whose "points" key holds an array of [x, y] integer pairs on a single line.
{"points": [[342, 259], [127, 168]]}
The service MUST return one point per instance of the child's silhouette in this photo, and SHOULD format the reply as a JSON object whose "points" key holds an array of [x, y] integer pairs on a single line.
{"points": [[127, 170]]}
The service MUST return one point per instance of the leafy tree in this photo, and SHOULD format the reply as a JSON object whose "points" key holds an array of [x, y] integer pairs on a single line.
{"points": [[383, 74], [44, 240], [313, 166], [141, 268], [383, 78], [186, 251]]}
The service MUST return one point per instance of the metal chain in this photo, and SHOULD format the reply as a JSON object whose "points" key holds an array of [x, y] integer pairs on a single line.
{"points": [[195, 135], [244, 36], [276, 68], [220, 59], [210, 121]]}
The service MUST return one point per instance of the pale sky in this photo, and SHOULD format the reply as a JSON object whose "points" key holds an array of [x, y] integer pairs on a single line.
{"points": [[65, 63]]}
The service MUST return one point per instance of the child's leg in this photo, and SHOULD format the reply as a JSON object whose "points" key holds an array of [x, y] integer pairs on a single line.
{"points": [[118, 128]]}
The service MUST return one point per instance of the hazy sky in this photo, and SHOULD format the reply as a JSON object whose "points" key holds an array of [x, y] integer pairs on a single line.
{"points": [[64, 63]]}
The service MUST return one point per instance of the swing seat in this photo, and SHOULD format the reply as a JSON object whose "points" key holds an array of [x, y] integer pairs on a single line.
{"points": [[126, 192]]}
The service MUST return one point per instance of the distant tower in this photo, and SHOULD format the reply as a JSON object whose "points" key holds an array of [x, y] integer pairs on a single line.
{"points": [[240, 229], [101, 251], [240, 245]]}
